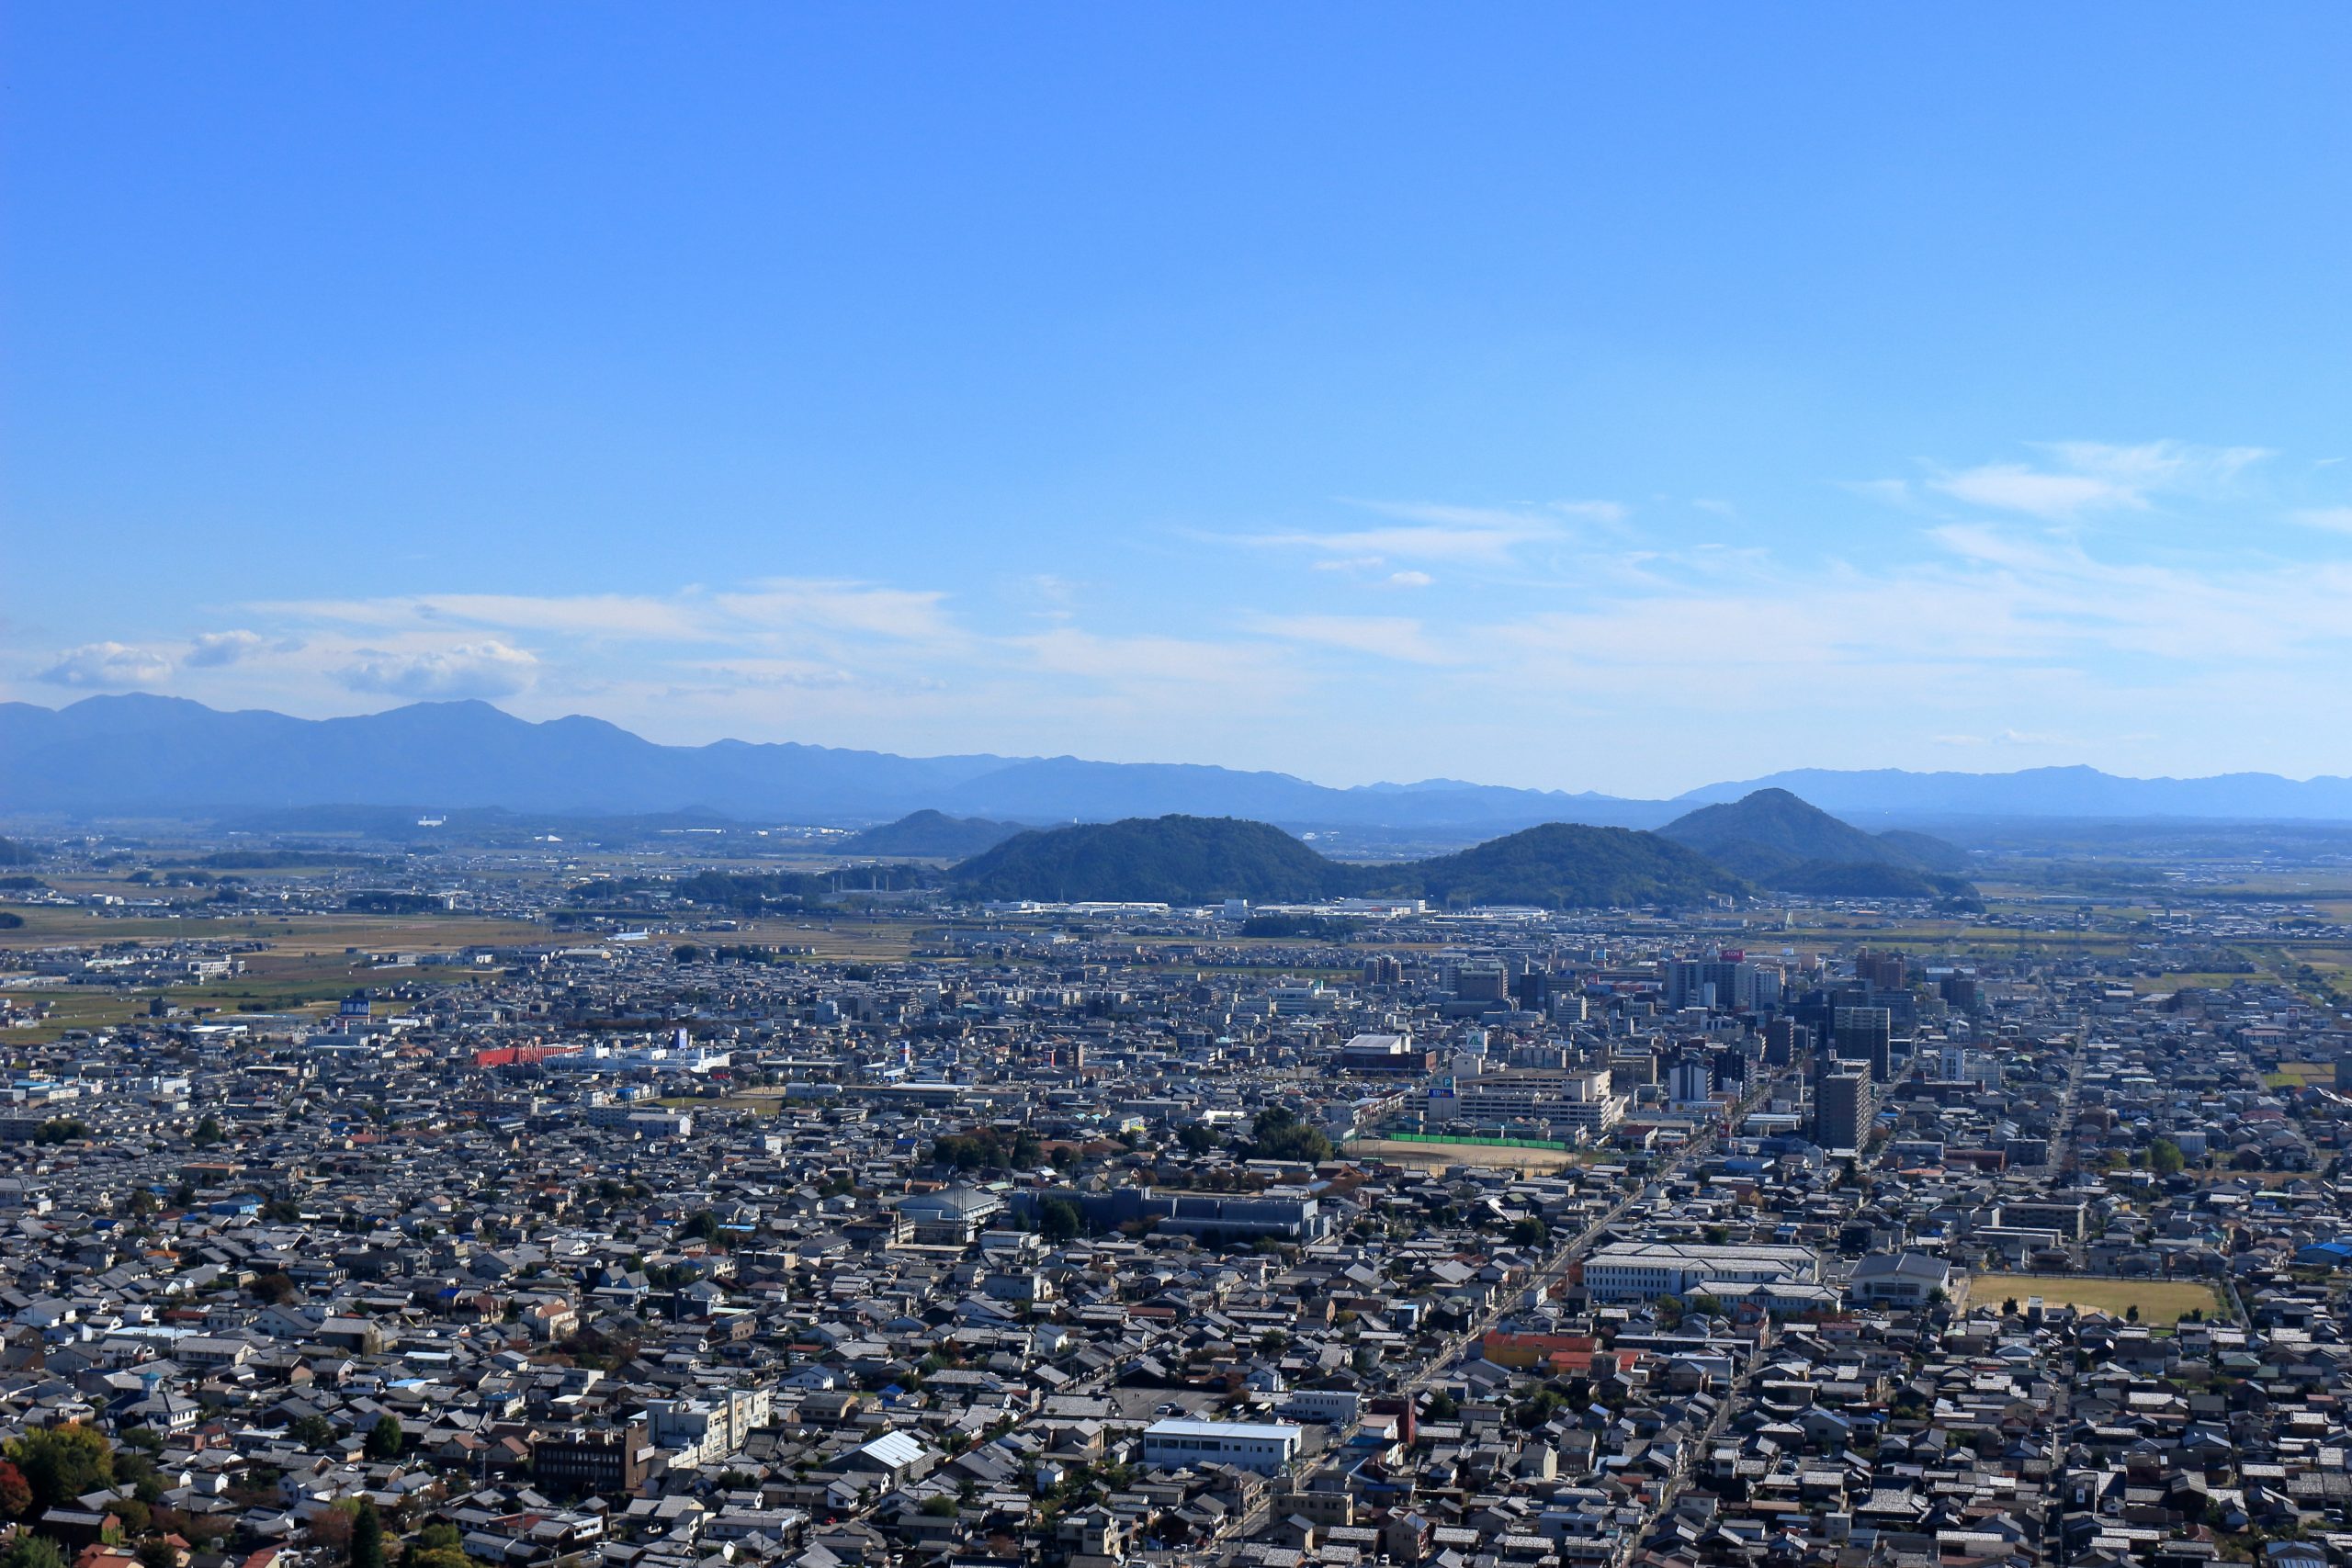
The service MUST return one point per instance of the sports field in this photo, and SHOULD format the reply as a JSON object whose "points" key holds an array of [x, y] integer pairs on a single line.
{"points": [[2162, 1303]]}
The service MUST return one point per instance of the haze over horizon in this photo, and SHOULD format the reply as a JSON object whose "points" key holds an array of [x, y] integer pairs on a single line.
{"points": [[1580, 400]]}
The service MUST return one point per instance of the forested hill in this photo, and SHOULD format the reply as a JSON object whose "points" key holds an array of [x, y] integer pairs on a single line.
{"points": [[1196, 860]]}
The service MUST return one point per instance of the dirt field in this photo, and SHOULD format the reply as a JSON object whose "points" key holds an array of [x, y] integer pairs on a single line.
{"points": [[1432, 1156], [2162, 1303]]}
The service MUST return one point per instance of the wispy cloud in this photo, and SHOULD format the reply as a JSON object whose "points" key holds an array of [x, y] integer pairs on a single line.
{"points": [[2056, 497], [2335, 519], [842, 606], [2081, 478], [1482, 536], [1399, 638]]}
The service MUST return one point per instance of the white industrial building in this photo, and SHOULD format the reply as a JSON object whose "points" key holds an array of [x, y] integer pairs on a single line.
{"points": [[1264, 1447]]}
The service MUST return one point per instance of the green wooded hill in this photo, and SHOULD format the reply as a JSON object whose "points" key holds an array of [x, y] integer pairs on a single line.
{"points": [[1563, 865], [1175, 859], [1777, 841], [932, 835], [1196, 860]]}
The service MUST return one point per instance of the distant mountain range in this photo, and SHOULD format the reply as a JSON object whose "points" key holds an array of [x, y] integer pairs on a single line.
{"points": [[2076, 792], [141, 755]]}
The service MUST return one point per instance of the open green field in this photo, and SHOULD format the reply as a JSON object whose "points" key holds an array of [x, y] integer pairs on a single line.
{"points": [[2162, 1303]]}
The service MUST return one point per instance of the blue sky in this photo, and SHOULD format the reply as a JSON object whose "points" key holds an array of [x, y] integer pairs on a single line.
{"points": [[1613, 398]]}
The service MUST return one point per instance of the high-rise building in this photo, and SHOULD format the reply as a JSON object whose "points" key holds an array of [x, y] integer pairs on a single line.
{"points": [[1865, 1034], [1841, 1117], [1784, 1040], [1730, 985], [1692, 1079], [1884, 971], [1480, 983]]}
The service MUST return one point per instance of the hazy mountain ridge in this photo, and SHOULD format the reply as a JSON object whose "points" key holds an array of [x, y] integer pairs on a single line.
{"points": [[140, 755], [166, 756], [2082, 792]]}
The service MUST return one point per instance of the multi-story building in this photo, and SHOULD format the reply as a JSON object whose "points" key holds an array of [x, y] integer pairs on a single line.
{"points": [[1266, 1446], [1580, 1101], [1842, 1115], [1643, 1270]]}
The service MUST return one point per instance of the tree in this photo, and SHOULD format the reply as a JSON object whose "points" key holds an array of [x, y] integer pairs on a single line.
{"points": [[208, 1133], [29, 1550], [2132, 1313], [1277, 1134], [2164, 1157], [15, 1494], [1060, 1220], [311, 1431], [275, 1289], [385, 1439], [941, 1507], [1197, 1137], [367, 1538], [61, 1463]]}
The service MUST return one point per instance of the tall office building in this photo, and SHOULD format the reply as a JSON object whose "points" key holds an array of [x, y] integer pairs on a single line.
{"points": [[1784, 1040], [1842, 1116], [1865, 1034]]}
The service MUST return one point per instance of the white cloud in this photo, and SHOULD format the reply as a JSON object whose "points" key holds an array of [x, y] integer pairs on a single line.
{"points": [[489, 669], [860, 608], [2094, 476], [212, 650], [107, 665], [2335, 519], [1411, 579], [2057, 498], [1436, 531], [1590, 510], [1382, 636]]}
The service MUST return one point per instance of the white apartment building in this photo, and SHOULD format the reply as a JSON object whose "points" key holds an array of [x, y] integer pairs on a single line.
{"points": [[1577, 1100], [705, 1427]]}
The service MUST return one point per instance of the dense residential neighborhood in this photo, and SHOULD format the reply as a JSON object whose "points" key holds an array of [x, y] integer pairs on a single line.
{"points": [[1334, 1233]]}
